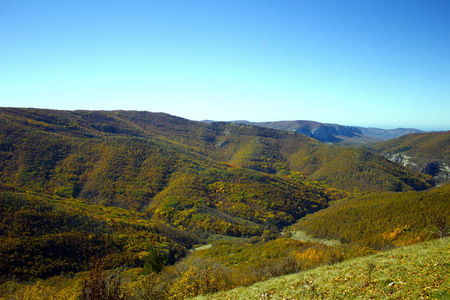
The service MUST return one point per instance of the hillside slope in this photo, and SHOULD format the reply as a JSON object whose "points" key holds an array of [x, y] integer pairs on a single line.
{"points": [[115, 185], [288, 153], [44, 236], [414, 272], [146, 170], [382, 220], [59, 166], [33, 143], [428, 153]]}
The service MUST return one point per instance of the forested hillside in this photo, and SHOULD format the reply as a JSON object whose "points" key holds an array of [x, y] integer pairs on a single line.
{"points": [[42, 236], [58, 166], [216, 178], [133, 188], [159, 176], [422, 146], [428, 153], [95, 142], [383, 220]]}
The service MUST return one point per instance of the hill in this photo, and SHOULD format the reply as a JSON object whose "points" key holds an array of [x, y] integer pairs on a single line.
{"points": [[428, 153], [172, 180], [387, 134], [46, 138], [145, 170], [382, 220], [43, 236], [157, 181], [413, 272]]}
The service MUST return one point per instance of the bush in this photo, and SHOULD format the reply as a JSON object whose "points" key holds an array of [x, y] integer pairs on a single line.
{"points": [[153, 262], [99, 286]]}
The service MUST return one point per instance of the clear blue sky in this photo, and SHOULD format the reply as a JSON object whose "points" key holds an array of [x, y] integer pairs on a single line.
{"points": [[383, 63]]}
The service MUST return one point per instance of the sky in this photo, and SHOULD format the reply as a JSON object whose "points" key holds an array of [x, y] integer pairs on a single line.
{"points": [[383, 63]]}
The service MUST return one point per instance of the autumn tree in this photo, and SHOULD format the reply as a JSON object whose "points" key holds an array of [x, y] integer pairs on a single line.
{"points": [[441, 226]]}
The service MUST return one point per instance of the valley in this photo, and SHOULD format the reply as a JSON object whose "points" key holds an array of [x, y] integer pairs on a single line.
{"points": [[84, 193]]}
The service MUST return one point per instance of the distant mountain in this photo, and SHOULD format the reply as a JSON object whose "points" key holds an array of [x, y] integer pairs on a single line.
{"points": [[387, 134], [334, 133]]}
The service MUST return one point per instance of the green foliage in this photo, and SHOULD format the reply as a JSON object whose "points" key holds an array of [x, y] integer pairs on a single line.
{"points": [[116, 184], [233, 201], [355, 170], [126, 158], [381, 220], [424, 147], [44, 237], [256, 261], [207, 271], [154, 262], [161, 170], [414, 272]]}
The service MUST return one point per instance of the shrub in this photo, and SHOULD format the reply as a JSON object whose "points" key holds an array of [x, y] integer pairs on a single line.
{"points": [[99, 286]]}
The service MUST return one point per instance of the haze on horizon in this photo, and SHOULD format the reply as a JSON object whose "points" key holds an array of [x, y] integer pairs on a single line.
{"points": [[379, 64]]}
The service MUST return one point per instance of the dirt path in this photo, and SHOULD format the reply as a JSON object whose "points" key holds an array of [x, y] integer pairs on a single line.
{"points": [[302, 236]]}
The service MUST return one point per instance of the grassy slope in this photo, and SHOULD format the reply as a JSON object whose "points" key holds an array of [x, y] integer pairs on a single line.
{"points": [[411, 272]]}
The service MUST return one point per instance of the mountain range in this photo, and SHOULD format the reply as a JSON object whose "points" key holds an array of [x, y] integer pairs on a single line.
{"points": [[336, 134], [120, 185]]}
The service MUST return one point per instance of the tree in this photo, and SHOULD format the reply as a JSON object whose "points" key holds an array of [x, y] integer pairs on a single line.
{"points": [[154, 262], [103, 287], [441, 226]]}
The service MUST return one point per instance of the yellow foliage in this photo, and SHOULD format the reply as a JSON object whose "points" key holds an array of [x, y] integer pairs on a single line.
{"points": [[196, 281], [42, 291], [391, 236], [142, 255], [314, 257], [401, 236], [310, 258]]}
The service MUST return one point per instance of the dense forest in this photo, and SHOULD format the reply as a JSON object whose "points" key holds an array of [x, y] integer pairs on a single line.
{"points": [[89, 141], [140, 190], [382, 220]]}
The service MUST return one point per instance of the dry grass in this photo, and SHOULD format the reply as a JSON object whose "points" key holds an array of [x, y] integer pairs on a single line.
{"points": [[421, 271], [415, 272]]}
